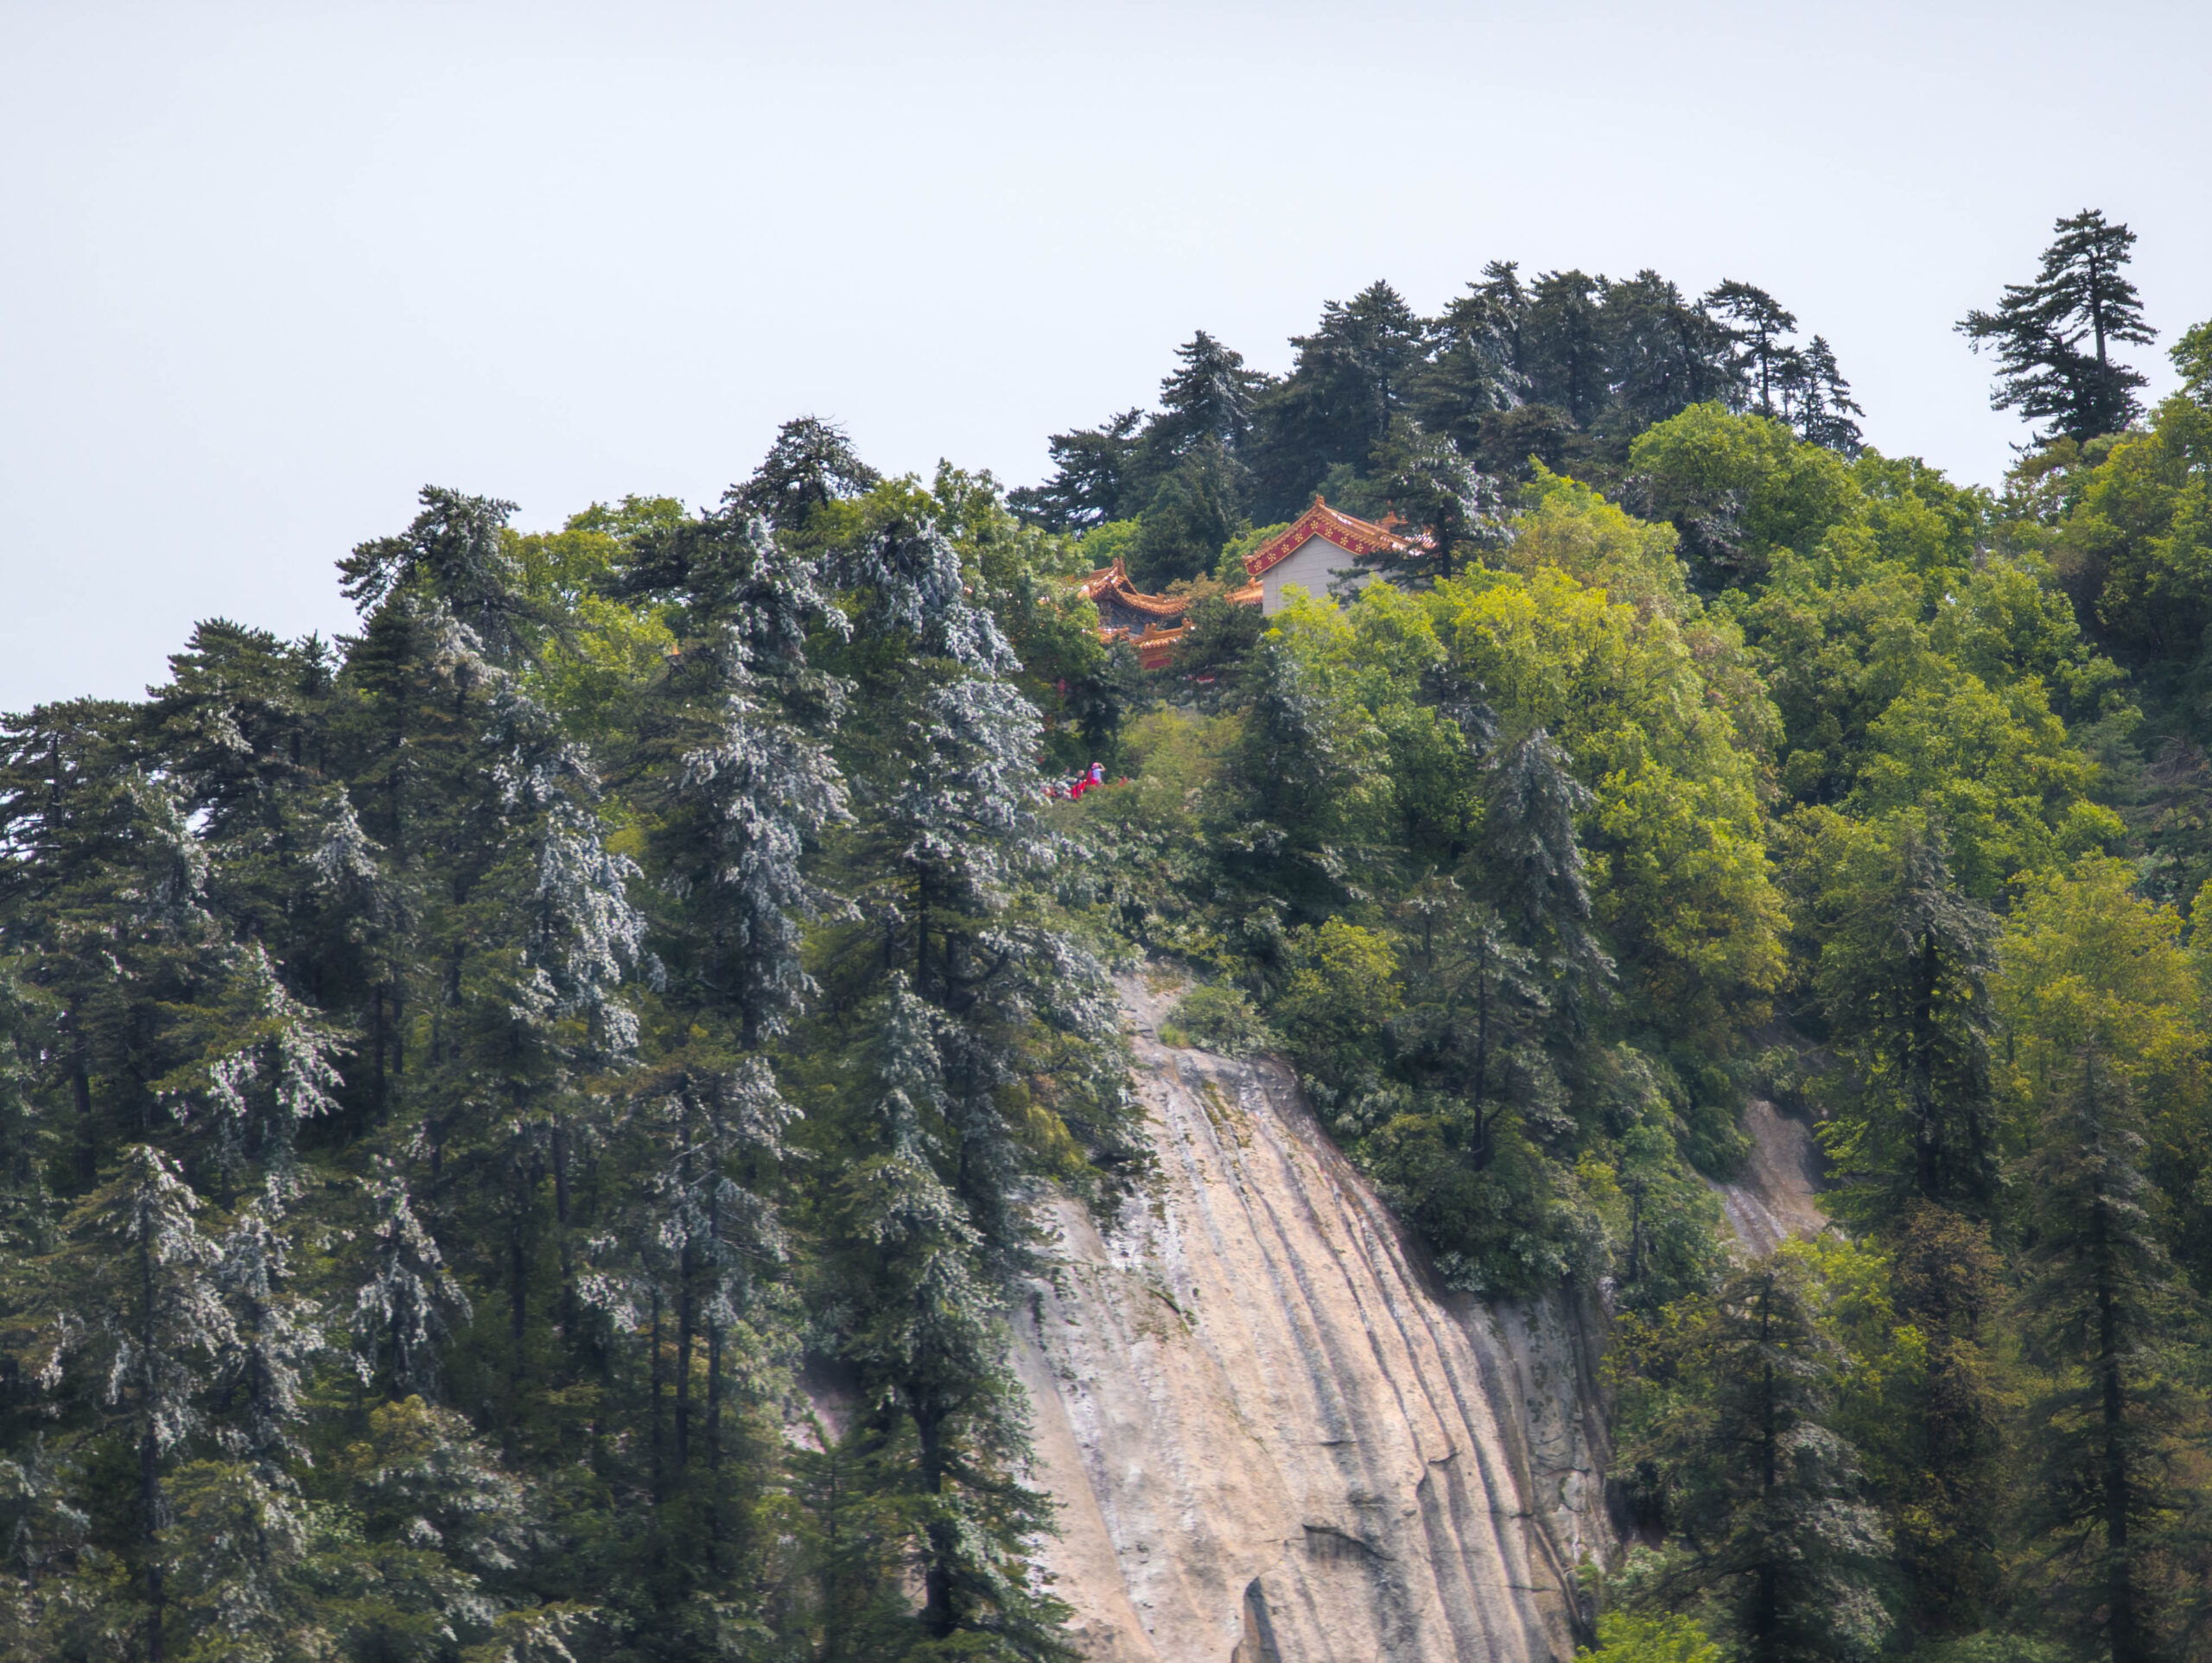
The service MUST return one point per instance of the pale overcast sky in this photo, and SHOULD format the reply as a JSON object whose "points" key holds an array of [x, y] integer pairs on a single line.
{"points": [[268, 269]]}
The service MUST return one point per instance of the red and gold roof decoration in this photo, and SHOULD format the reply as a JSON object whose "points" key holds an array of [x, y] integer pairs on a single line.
{"points": [[1355, 536], [1114, 580], [1156, 647], [1153, 623]]}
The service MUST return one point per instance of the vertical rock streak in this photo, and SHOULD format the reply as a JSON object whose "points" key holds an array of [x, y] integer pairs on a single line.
{"points": [[1271, 1431]]}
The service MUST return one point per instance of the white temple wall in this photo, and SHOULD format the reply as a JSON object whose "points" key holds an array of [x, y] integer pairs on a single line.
{"points": [[1312, 566]]}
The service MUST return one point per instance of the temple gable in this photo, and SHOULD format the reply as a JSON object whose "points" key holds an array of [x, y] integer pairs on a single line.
{"points": [[1315, 547]]}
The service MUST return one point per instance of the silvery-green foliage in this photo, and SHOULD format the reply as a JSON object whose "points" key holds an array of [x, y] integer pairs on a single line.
{"points": [[449, 649], [766, 597], [172, 891], [909, 576], [444, 1490], [42, 1528], [690, 1217], [584, 934], [260, 1373], [764, 781], [1532, 867], [966, 806], [533, 1633], [457, 554], [1079, 1044], [26, 1204], [400, 1312], [152, 1317], [271, 1065], [231, 1562], [946, 1306], [442, 1526], [344, 859], [705, 1217], [770, 789]]}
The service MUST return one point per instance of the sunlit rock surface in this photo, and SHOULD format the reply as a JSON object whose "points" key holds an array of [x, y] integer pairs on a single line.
{"points": [[1273, 1434], [1773, 1197]]}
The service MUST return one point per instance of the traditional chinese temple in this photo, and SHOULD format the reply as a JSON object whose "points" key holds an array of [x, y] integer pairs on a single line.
{"points": [[1316, 546], [1153, 623], [1312, 552]]}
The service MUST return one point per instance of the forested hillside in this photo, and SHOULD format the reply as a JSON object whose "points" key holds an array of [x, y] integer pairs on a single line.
{"points": [[462, 1080]]}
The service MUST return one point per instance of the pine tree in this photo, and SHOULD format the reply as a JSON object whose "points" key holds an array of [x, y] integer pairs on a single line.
{"points": [[1664, 354], [733, 753], [2100, 997], [137, 1257], [811, 465], [267, 1064], [1436, 492], [1904, 965], [2053, 336], [1674, 1249], [402, 1310], [1189, 519], [1357, 369], [985, 1036], [1092, 476], [69, 831], [696, 1250], [929, 1330], [1946, 1279], [26, 1134], [1530, 866], [1563, 345], [1473, 1028], [1759, 323], [242, 1524], [1505, 304], [1818, 401], [1471, 372], [1210, 396], [1761, 1500], [456, 553]]}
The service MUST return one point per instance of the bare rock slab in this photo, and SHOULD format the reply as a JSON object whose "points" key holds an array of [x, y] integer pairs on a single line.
{"points": [[1273, 1435]]}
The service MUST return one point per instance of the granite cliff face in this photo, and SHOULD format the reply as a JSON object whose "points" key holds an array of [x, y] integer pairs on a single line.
{"points": [[1274, 1436]]}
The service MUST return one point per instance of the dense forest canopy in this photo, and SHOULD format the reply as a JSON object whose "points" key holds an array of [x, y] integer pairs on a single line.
{"points": [[519, 1126]]}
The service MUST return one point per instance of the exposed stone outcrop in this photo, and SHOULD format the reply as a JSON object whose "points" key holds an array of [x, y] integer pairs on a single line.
{"points": [[1773, 1197], [1272, 1434]]}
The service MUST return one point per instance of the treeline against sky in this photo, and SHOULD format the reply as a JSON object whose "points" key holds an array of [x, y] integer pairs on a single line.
{"points": [[519, 1128]]}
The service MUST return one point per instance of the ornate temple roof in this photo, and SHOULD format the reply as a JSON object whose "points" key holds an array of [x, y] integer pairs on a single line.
{"points": [[1111, 586], [1153, 623], [1355, 536]]}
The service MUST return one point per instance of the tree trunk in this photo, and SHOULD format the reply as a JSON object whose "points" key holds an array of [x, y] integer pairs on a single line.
{"points": [[1766, 1616], [518, 1270], [942, 1539], [561, 1210], [685, 1314], [714, 1440], [660, 1474], [149, 1457], [1926, 1144], [2122, 1618], [80, 1090], [149, 1503]]}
